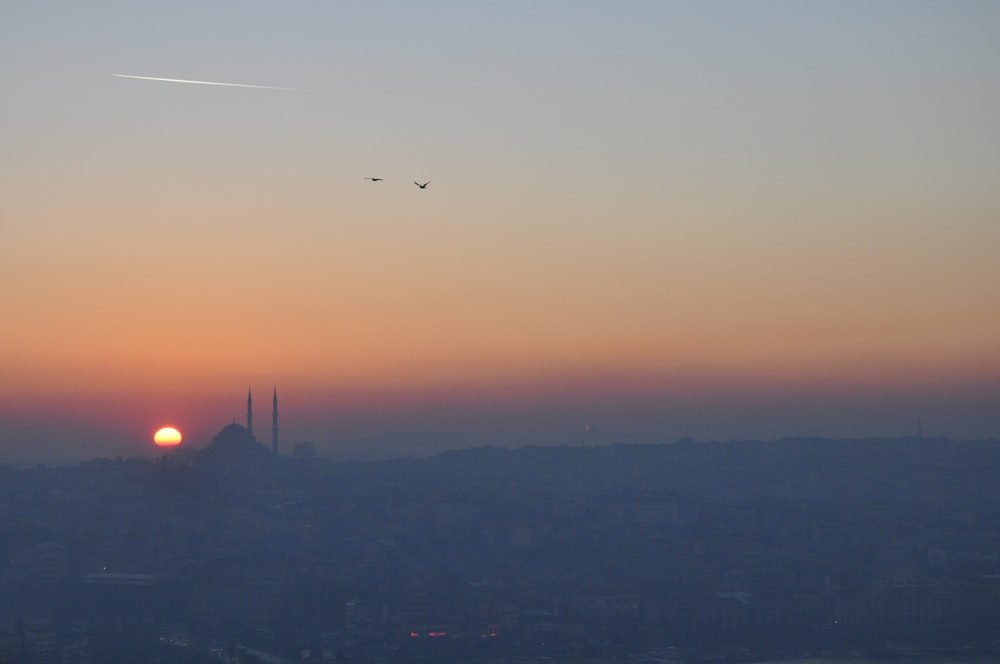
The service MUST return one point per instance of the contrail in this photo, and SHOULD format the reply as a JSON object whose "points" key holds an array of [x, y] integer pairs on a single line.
{"points": [[228, 85]]}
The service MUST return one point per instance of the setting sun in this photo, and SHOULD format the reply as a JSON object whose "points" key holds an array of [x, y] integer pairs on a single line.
{"points": [[167, 437]]}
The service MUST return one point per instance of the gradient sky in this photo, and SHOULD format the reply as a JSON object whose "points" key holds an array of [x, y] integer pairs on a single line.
{"points": [[662, 219]]}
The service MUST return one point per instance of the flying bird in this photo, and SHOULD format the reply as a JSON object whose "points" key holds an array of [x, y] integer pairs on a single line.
{"points": [[375, 179], [424, 185]]}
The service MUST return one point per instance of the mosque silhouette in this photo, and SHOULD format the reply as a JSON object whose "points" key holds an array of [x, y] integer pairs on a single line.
{"points": [[235, 440]]}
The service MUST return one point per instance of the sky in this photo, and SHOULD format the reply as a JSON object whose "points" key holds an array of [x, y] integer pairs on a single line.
{"points": [[646, 221]]}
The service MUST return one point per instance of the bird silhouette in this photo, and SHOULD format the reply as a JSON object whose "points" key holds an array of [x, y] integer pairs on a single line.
{"points": [[424, 185], [375, 179]]}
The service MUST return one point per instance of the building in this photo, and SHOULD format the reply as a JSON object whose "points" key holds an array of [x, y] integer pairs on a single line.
{"points": [[236, 440], [274, 418]]}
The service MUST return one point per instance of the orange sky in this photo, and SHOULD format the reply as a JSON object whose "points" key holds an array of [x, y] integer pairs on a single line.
{"points": [[607, 231]]}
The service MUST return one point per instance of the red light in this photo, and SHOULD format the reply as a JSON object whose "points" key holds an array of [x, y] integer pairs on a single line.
{"points": [[432, 634], [414, 635]]}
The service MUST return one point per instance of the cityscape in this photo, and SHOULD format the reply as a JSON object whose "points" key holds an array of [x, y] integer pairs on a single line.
{"points": [[683, 551], [641, 332]]}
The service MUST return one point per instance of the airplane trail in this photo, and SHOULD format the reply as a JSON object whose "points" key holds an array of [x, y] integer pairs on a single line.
{"points": [[228, 85]]}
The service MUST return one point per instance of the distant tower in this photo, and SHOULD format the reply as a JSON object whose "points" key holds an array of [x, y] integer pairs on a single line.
{"points": [[249, 413], [274, 422]]}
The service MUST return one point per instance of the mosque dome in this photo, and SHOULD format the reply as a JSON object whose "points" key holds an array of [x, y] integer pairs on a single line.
{"points": [[232, 443], [233, 431], [237, 444]]}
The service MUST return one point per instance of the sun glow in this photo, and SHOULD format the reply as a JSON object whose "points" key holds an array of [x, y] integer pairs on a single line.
{"points": [[167, 437]]}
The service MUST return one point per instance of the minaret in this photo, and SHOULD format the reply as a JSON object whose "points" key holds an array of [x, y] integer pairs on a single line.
{"points": [[274, 420], [249, 413]]}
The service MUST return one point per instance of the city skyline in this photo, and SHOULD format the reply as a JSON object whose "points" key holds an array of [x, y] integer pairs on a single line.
{"points": [[646, 222]]}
